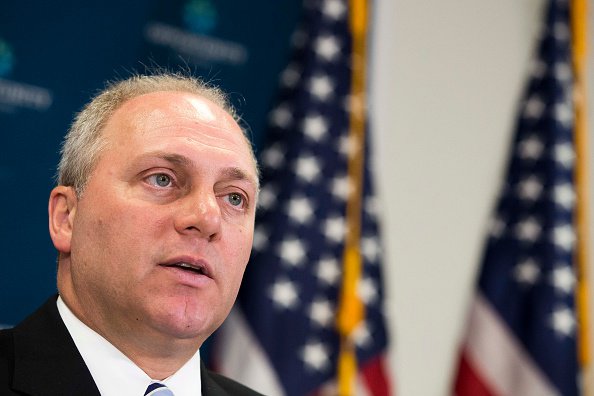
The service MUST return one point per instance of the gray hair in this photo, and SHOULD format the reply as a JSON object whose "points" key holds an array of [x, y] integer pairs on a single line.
{"points": [[84, 142]]}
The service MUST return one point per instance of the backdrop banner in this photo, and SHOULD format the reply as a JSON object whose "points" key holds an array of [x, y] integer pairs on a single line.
{"points": [[55, 56]]}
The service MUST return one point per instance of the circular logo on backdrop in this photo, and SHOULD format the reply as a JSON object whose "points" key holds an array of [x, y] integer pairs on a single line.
{"points": [[6, 59], [16, 95], [200, 16]]}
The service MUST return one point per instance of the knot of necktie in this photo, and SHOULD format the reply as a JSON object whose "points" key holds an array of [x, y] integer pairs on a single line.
{"points": [[158, 389]]}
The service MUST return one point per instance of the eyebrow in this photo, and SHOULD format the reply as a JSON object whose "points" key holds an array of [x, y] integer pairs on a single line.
{"points": [[238, 174], [230, 173]]}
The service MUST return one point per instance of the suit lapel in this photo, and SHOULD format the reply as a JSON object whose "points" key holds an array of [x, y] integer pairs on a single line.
{"points": [[46, 359], [47, 362], [209, 386]]}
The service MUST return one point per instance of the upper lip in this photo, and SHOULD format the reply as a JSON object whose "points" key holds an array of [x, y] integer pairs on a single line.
{"points": [[190, 262]]}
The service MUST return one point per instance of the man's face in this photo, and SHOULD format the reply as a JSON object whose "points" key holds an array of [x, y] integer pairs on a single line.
{"points": [[163, 231]]}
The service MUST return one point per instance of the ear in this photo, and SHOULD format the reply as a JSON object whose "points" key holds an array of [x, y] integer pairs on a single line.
{"points": [[62, 209]]}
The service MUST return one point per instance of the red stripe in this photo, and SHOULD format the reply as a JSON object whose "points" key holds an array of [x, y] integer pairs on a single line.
{"points": [[374, 375], [468, 381]]}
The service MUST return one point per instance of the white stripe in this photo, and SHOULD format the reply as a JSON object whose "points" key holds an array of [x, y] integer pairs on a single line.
{"points": [[501, 361], [242, 359]]}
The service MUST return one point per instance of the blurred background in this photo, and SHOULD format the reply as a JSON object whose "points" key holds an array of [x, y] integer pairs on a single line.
{"points": [[445, 84]]}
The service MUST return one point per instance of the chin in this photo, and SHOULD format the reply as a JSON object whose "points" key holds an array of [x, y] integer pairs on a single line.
{"points": [[183, 323]]}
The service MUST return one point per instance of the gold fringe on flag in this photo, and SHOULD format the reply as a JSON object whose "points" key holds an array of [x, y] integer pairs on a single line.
{"points": [[351, 308], [579, 30]]}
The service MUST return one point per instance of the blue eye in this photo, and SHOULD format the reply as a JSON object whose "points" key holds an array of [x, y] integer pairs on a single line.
{"points": [[160, 179], [235, 199]]}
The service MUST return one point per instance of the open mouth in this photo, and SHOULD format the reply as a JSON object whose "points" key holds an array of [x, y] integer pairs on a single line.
{"points": [[196, 269]]}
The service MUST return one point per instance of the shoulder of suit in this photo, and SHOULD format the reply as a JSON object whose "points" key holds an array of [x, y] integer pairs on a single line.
{"points": [[6, 344], [231, 386], [6, 360]]}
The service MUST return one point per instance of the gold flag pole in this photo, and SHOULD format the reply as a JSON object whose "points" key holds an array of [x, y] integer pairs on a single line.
{"points": [[351, 308], [579, 30]]}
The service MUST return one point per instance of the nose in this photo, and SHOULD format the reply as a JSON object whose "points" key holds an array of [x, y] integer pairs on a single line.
{"points": [[200, 215]]}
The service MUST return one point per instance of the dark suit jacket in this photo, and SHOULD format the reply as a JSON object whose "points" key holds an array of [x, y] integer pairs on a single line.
{"points": [[39, 358]]}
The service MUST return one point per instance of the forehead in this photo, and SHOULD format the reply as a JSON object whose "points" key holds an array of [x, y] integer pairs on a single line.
{"points": [[163, 108], [176, 121]]}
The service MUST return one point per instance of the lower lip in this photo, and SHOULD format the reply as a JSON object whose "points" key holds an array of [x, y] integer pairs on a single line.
{"points": [[188, 278]]}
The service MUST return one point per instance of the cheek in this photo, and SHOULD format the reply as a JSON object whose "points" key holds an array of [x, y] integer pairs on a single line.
{"points": [[238, 252], [244, 238]]}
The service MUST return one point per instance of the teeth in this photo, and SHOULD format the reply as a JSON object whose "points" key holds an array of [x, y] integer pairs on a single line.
{"points": [[189, 266]]}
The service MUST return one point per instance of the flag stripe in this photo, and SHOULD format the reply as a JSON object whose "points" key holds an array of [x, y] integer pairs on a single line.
{"points": [[253, 369], [501, 361], [375, 377], [468, 381]]}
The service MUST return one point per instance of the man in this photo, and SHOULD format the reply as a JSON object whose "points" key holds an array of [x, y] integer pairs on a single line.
{"points": [[153, 221]]}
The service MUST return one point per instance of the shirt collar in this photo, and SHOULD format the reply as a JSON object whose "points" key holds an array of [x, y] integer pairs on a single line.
{"points": [[114, 373]]}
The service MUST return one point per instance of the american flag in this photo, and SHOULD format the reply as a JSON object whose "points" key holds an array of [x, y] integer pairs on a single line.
{"points": [[523, 327], [289, 297]]}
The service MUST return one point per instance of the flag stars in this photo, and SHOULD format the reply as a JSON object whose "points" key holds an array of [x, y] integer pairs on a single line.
{"points": [[328, 271], [530, 188], [334, 9], [564, 155], [497, 227], [307, 168], [300, 210], [367, 291], [327, 47], [371, 206], [260, 238], [564, 237], [530, 148], [563, 279], [564, 196], [563, 72], [281, 117], [315, 356], [563, 321], [527, 272], [290, 76], [334, 228], [321, 87], [370, 248], [564, 114], [284, 294], [315, 127], [534, 107], [273, 156], [362, 335], [348, 145], [321, 313], [341, 187], [528, 230], [267, 197], [292, 251], [561, 31]]}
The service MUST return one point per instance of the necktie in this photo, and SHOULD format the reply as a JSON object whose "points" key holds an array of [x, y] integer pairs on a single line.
{"points": [[158, 389]]}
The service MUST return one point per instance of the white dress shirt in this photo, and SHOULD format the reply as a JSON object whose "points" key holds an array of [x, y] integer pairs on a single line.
{"points": [[114, 373]]}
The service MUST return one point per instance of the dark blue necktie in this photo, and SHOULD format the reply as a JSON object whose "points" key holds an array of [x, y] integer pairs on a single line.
{"points": [[158, 389]]}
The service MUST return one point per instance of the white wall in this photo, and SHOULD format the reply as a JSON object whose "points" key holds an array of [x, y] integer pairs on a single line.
{"points": [[446, 80]]}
